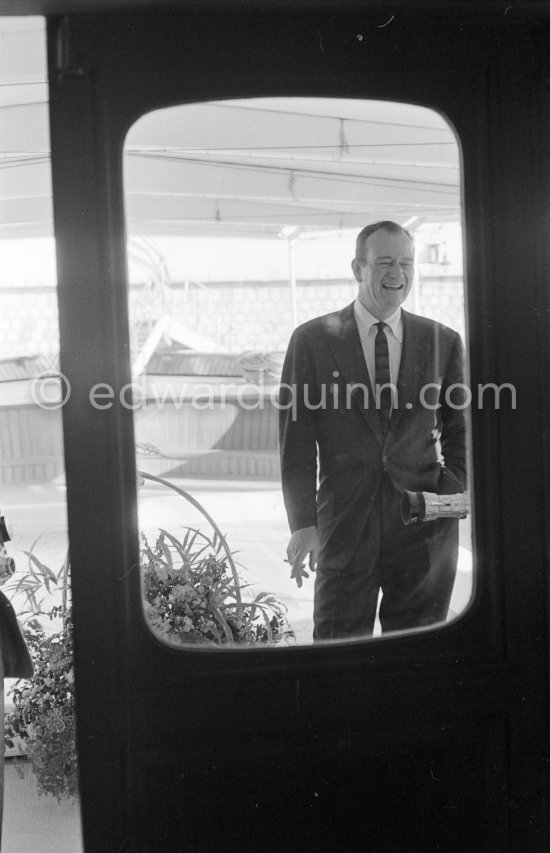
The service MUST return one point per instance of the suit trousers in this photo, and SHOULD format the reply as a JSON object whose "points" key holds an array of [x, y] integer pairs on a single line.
{"points": [[412, 566]]}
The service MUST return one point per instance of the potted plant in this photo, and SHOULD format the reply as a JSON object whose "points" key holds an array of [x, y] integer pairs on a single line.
{"points": [[42, 721]]}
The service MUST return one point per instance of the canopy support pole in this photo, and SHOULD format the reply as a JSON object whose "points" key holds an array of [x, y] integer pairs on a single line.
{"points": [[292, 280]]}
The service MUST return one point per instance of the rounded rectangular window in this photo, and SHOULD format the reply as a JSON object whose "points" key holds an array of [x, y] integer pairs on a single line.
{"points": [[297, 317]]}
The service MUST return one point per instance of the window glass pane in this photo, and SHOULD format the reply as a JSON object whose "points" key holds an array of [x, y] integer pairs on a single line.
{"points": [[32, 481], [242, 219]]}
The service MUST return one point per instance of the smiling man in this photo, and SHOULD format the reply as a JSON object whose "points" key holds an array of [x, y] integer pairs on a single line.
{"points": [[372, 403]]}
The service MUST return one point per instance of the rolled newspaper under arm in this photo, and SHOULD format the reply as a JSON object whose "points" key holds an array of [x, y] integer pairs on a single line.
{"points": [[427, 506]]}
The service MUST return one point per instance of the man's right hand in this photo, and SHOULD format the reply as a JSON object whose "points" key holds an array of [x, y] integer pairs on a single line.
{"points": [[302, 542]]}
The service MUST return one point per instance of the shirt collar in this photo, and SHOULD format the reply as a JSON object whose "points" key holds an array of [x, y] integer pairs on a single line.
{"points": [[365, 321]]}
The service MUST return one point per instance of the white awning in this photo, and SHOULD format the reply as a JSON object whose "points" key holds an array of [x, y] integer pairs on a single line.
{"points": [[258, 167]]}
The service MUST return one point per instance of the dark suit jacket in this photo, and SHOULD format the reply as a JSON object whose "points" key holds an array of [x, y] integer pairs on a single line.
{"points": [[330, 432], [16, 660]]}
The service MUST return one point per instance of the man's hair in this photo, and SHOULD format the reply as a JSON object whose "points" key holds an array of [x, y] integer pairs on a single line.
{"points": [[383, 225]]}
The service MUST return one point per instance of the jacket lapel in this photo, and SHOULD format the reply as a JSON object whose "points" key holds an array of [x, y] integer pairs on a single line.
{"points": [[347, 352], [416, 347]]}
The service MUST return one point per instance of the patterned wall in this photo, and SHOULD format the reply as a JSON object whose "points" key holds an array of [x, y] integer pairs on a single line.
{"points": [[242, 316], [236, 316], [29, 321], [442, 298]]}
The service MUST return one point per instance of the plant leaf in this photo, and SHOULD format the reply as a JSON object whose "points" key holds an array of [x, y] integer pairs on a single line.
{"points": [[44, 570]]}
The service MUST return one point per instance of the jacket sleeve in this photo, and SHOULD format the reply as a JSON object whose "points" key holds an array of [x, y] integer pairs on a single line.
{"points": [[454, 401], [297, 433]]}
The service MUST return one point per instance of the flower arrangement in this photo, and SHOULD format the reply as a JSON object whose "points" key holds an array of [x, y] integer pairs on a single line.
{"points": [[193, 594]]}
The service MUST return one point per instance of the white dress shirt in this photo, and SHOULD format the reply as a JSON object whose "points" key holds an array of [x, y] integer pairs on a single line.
{"points": [[368, 330]]}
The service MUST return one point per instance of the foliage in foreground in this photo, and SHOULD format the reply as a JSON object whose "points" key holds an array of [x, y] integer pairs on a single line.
{"points": [[42, 723], [192, 594]]}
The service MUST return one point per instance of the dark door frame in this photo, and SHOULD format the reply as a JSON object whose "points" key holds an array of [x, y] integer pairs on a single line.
{"points": [[434, 737]]}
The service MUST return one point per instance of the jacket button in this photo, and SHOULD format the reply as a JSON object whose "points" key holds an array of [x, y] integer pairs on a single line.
{"points": [[384, 459]]}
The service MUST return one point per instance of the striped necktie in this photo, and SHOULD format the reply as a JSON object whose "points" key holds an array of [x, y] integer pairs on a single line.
{"points": [[383, 395]]}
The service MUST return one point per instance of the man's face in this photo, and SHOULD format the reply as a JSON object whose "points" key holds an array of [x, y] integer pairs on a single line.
{"points": [[385, 274]]}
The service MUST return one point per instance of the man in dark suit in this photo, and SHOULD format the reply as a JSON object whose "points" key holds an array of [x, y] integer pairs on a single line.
{"points": [[372, 403]]}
